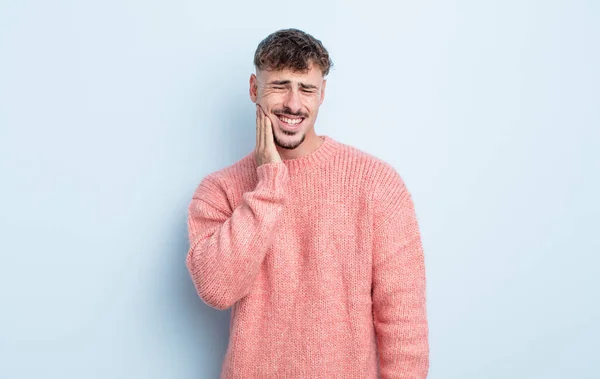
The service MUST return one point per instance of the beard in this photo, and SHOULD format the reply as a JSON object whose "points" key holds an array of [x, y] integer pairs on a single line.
{"points": [[289, 145]]}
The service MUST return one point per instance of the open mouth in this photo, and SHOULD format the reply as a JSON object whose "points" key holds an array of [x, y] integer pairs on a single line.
{"points": [[291, 122]]}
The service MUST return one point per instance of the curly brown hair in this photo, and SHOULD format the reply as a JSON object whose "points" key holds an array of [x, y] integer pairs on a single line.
{"points": [[291, 49]]}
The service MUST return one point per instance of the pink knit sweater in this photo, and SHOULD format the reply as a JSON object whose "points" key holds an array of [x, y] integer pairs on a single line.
{"points": [[321, 262]]}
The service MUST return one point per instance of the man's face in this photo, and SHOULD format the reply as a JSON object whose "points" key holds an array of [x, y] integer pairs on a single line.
{"points": [[291, 100]]}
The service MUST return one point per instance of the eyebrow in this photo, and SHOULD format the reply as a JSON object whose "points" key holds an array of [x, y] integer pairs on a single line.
{"points": [[284, 82]]}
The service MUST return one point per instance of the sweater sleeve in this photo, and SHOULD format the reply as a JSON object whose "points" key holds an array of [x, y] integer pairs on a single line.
{"points": [[398, 291], [227, 247]]}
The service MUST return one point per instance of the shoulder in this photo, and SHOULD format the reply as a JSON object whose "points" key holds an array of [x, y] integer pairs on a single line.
{"points": [[378, 174], [384, 185], [242, 170], [240, 173]]}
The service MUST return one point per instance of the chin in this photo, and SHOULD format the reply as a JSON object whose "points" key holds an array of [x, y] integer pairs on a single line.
{"points": [[290, 134], [289, 141]]}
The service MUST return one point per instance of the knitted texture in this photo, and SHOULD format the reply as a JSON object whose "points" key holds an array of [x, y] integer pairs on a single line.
{"points": [[320, 260]]}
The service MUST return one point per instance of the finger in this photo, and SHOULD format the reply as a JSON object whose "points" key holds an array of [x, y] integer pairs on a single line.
{"points": [[257, 128], [264, 135], [259, 137], [261, 123], [269, 131]]}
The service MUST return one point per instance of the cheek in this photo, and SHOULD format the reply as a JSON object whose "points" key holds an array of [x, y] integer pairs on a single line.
{"points": [[269, 100], [312, 105]]}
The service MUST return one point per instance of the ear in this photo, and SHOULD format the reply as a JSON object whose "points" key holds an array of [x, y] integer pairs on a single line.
{"points": [[253, 88], [323, 91]]}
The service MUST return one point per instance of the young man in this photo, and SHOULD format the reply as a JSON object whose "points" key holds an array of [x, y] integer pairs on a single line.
{"points": [[313, 243]]}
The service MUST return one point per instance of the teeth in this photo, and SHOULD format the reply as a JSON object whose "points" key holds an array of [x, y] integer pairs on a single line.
{"points": [[290, 121]]}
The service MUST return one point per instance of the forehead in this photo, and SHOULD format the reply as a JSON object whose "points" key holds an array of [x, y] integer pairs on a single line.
{"points": [[312, 76]]}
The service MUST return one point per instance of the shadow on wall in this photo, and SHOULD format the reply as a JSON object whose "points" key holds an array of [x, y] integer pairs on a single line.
{"points": [[203, 332]]}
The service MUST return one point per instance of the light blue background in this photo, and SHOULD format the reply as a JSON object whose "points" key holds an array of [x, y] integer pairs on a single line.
{"points": [[112, 111]]}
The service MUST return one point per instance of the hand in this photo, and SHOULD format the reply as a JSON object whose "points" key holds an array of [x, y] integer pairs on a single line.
{"points": [[265, 151]]}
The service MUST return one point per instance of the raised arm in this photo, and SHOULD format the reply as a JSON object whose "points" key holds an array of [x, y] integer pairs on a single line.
{"points": [[227, 247]]}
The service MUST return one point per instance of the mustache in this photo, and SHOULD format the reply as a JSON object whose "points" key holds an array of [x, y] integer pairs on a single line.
{"points": [[288, 112]]}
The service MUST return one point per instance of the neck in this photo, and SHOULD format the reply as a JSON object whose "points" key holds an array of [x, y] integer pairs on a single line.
{"points": [[310, 157]]}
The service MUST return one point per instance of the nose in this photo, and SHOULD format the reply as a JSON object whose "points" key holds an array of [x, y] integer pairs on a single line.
{"points": [[292, 100]]}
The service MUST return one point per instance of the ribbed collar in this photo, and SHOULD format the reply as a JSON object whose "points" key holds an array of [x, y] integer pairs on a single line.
{"points": [[322, 154]]}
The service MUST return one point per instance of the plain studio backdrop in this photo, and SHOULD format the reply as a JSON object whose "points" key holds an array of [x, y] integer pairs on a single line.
{"points": [[111, 112]]}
